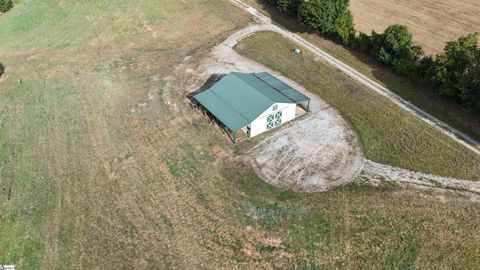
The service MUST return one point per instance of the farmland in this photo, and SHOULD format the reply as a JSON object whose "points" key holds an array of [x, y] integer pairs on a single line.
{"points": [[387, 132], [104, 165], [442, 108], [84, 162], [432, 22]]}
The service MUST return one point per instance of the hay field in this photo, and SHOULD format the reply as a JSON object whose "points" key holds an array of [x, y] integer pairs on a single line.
{"points": [[97, 171], [104, 165], [432, 22]]}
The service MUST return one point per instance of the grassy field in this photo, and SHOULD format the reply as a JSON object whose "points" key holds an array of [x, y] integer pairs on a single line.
{"points": [[442, 108], [91, 176], [360, 227], [432, 22], [389, 134], [103, 164]]}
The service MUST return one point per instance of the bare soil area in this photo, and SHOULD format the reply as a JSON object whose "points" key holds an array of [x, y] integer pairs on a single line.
{"points": [[374, 173], [432, 22], [314, 154]]}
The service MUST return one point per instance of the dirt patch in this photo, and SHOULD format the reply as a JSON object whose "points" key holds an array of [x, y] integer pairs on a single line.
{"points": [[314, 154], [375, 173]]}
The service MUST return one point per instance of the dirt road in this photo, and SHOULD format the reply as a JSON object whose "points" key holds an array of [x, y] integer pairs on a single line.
{"points": [[329, 148], [375, 173], [268, 24], [328, 153]]}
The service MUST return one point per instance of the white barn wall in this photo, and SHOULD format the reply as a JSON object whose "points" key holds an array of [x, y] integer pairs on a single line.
{"points": [[259, 125]]}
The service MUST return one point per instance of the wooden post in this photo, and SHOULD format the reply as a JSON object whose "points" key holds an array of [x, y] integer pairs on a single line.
{"points": [[234, 137]]}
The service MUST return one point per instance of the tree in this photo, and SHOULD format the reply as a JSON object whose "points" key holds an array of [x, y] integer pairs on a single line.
{"points": [[318, 15], [399, 43], [455, 69], [287, 5], [395, 47], [344, 27], [5, 5], [330, 17]]}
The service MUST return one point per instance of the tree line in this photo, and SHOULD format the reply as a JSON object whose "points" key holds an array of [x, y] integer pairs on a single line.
{"points": [[454, 73]]}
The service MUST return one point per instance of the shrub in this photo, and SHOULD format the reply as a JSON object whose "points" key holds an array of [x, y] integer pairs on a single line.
{"points": [[403, 66], [424, 70], [330, 17], [454, 67], [5, 5], [2, 69], [344, 27], [362, 43], [287, 5]]}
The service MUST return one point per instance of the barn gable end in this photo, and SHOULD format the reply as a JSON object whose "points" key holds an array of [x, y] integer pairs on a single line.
{"points": [[243, 100]]}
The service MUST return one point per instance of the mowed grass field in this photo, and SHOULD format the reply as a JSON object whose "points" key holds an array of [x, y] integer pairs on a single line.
{"points": [[104, 165], [432, 22], [389, 134], [91, 177]]}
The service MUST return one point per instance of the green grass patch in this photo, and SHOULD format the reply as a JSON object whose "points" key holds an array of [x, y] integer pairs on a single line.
{"points": [[442, 108], [389, 134], [80, 151], [359, 226]]}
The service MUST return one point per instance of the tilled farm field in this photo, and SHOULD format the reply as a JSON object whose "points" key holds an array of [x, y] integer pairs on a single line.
{"points": [[432, 22]]}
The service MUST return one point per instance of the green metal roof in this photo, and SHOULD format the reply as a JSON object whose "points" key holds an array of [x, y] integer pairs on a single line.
{"points": [[239, 98], [282, 87]]}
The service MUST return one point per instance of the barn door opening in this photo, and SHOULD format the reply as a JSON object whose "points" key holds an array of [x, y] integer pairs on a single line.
{"points": [[274, 120]]}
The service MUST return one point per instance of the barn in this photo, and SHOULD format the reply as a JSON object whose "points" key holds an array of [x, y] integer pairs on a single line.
{"points": [[251, 102]]}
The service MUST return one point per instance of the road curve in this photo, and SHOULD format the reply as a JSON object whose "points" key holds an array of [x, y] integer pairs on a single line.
{"points": [[453, 133]]}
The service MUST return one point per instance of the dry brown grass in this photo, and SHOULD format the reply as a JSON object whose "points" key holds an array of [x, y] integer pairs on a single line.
{"points": [[104, 177], [432, 22]]}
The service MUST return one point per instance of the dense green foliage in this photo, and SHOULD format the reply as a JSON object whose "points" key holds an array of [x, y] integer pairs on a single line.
{"points": [[328, 17], [395, 48], [287, 5], [5, 5], [455, 73]]}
